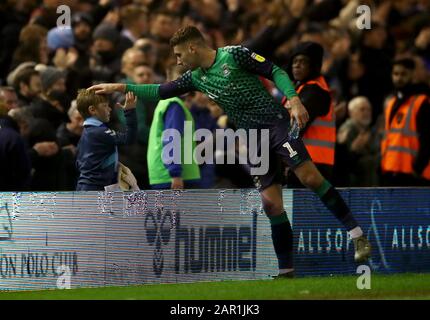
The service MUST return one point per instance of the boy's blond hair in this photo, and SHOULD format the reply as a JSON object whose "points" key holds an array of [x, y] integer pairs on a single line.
{"points": [[87, 98]]}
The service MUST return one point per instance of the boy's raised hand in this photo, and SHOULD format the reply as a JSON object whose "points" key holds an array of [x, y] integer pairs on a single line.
{"points": [[130, 101]]}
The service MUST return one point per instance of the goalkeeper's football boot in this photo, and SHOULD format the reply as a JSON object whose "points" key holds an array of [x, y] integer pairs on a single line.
{"points": [[363, 249]]}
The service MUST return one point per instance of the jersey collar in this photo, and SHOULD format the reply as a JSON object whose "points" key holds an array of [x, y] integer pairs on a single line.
{"points": [[93, 121], [215, 60]]}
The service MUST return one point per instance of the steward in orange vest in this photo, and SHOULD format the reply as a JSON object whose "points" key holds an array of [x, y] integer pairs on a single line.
{"points": [[319, 135], [405, 147]]}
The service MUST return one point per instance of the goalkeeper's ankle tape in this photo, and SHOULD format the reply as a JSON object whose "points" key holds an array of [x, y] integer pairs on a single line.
{"points": [[323, 188]]}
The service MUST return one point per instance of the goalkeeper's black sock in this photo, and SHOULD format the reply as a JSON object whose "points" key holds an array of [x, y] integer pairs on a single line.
{"points": [[335, 203], [282, 237]]}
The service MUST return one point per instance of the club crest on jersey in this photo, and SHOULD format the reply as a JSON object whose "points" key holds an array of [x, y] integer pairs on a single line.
{"points": [[225, 70], [257, 57]]}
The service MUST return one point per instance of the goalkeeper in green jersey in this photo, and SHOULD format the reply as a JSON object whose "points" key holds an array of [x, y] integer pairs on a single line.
{"points": [[230, 77]]}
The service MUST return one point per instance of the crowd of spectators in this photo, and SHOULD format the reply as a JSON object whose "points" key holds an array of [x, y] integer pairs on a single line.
{"points": [[43, 65]]}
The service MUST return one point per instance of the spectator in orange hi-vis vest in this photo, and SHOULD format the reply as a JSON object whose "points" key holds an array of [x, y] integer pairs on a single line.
{"points": [[405, 148], [319, 135]]}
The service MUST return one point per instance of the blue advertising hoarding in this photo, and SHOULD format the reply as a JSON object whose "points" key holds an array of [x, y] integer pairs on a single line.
{"points": [[396, 221]]}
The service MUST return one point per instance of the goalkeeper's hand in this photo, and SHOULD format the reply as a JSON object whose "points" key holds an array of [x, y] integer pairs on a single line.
{"points": [[298, 112], [107, 88]]}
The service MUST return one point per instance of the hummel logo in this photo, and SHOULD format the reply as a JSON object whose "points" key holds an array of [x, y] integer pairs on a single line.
{"points": [[111, 132], [212, 96]]}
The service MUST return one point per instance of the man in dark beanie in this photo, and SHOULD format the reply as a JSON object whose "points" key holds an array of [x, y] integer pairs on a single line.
{"points": [[53, 102], [319, 135], [107, 53], [82, 25], [79, 73], [106, 39]]}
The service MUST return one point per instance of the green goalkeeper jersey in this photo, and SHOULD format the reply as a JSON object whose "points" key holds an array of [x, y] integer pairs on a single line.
{"points": [[233, 82]]}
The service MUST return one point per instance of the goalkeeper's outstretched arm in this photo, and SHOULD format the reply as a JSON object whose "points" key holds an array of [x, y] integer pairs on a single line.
{"points": [[166, 90]]}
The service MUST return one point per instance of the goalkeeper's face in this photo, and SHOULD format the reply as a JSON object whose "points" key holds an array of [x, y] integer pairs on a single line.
{"points": [[187, 56]]}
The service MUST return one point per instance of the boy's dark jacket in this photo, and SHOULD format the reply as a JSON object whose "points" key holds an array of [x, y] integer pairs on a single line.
{"points": [[97, 156]]}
